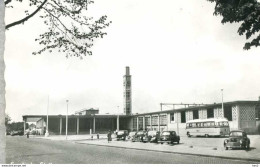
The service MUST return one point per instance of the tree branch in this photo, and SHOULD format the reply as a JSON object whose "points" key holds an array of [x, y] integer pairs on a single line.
{"points": [[7, 2], [26, 18]]}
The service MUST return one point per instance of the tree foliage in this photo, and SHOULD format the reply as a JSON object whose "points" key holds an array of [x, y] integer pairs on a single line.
{"points": [[70, 29], [246, 12], [7, 119]]}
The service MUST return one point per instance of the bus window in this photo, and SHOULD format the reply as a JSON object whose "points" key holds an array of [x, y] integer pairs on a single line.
{"points": [[206, 124], [193, 125], [212, 124], [225, 123]]}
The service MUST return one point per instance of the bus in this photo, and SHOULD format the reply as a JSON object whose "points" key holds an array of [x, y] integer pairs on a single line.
{"points": [[208, 127]]}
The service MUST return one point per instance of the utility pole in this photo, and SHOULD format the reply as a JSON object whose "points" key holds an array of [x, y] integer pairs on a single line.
{"points": [[47, 125], [117, 119], [67, 101], [222, 101]]}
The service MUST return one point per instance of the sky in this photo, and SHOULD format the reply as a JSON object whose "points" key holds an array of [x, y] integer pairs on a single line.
{"points": [[177, 52]]}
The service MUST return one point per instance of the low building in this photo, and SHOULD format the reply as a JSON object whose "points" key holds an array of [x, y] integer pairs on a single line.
{"points": [[240, 114]]}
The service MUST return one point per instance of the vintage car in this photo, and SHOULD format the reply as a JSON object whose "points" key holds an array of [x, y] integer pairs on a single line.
{"points": [[151, 136], [237, 139], [132, 136], [139, 136], [169, 137], [121, 134], [16, 132]]}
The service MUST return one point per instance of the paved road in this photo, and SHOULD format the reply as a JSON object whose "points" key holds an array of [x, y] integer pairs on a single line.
{"points": [[22, 150]]}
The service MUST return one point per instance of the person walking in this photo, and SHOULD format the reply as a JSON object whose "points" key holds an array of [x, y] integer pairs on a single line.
{"points": [[109, 136], [27, 134]]}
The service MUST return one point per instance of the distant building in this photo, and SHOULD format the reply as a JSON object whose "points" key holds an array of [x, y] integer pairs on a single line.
{"points": [[87, 111]]}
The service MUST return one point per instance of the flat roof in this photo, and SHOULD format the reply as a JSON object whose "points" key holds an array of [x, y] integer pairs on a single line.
{"points": [[199, 107], [76, 116], [148, 113]]}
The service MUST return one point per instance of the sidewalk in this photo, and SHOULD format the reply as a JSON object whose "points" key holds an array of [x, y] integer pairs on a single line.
{"points": [[71, 137], [212, 147], [250, 155]]}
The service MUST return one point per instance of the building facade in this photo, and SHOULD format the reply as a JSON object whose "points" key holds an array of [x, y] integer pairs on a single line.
{"points": [[240, 114]]}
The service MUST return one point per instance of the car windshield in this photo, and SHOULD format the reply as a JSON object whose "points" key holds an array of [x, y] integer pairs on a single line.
{"points": [[120, 132], [236, 134], [166, 133], [152, 133], [140, 133], [132, 133]]}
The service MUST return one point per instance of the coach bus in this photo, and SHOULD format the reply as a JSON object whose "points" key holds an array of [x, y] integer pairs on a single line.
{"points": [[208, 127]]}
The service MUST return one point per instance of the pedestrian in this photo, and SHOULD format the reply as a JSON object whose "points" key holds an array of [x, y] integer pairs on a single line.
{"points": [[27, 134], [97, 135], [109, 136]]}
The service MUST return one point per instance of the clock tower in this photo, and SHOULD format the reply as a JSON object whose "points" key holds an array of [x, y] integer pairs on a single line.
{"points": [[127, 92]]}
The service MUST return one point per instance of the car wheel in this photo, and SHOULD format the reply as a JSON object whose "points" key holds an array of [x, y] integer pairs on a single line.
{"points": [[188, 134], [178, 142], [226, 148], [248, 146]]}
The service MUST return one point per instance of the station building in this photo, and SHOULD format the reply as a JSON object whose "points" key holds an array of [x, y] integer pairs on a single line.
{"points": [[240, 114]]}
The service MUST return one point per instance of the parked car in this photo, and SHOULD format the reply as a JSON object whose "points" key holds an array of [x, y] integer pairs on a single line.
{"points": [[152, 136], [169, 137], [121, 134], [139, 136], [237, 139], [16, 132], [131, 136]]}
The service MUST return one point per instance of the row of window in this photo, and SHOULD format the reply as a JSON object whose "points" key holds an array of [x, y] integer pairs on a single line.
{"points": [[206, 124], [163, 118], [210, 114], [163, 121]]}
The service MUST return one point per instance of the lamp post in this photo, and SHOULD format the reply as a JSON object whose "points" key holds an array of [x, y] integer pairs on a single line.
{"points": [[67, 101], [117, 128], [222, 101], [47, 125]]}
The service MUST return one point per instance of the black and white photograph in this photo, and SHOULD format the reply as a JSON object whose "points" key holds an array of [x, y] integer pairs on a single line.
{"points": [[129, 82]]}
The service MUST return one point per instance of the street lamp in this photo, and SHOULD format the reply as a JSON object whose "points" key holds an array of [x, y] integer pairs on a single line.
{"points": [[222, 101], [47, 126], [67, 101], [117, 118]]}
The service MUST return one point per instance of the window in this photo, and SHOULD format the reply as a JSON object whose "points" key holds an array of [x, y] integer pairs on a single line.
{"points": [[135, 123], [147, 120], [163, 119], [183, 117], [172, 117], [154, 120], [228, 112], [128, 94], [210, 113], [140, 122], [195, 114]]}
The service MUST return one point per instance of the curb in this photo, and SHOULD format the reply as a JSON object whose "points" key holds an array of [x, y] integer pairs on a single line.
{"points": [[174, 152]]}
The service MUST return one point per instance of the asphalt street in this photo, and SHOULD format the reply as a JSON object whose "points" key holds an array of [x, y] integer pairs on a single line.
{"points": [[19, 150]]}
